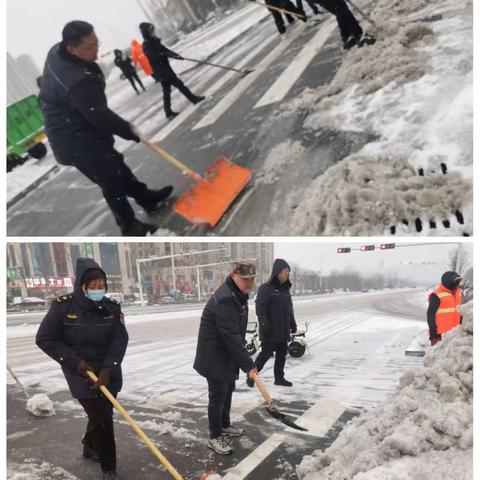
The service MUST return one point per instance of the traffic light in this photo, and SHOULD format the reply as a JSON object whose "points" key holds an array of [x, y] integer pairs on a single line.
{"points": [[387, 246], [343, 250], [367, 248]]}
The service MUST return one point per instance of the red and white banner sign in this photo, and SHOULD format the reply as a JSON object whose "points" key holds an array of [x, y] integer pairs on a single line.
{"points": [[49, 283]]}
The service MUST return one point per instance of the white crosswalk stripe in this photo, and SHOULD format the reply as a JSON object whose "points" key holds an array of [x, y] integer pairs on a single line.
{"points": [[289, 77]]}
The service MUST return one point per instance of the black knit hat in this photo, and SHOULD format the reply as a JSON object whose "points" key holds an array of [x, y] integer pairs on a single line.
{"points": [[146, 29], [73, 32]]}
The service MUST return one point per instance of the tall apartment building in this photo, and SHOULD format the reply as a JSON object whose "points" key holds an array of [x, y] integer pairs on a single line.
{"points": [[48, 269]]}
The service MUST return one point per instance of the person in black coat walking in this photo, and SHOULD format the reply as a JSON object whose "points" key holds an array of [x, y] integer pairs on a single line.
{"points": [[158, 55], [80, 126], [221, 351], [86, 331], [277, 16], [124, 63], [276, 320]]}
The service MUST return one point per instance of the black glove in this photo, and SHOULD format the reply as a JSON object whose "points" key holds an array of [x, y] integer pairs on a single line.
{"points": [[132, 135], [82, 367], [103, 379]]}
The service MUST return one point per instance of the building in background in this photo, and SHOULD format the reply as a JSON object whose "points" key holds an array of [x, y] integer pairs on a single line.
{"points": [[168, 271], [22, 74]]}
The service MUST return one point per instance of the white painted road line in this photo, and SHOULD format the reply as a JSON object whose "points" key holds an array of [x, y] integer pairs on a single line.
{"points": [[249, 463], [319, 418], [237, 92], [289, 77], [171, 126]]}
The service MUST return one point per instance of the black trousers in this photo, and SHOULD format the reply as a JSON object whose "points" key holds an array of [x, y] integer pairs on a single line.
{"points": [[99, 434], [347, 23], [311, 4], [219, 405], [277, 16], [132, 77], [280, 350], [167, 85], [108, 170]]}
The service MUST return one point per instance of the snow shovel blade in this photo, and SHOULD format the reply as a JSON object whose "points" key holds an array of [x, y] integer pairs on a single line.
{"points": [[205, 202], [275, 413]]}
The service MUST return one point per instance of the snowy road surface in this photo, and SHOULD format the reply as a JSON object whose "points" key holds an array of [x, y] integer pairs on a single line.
{"points": [[355, 357]]}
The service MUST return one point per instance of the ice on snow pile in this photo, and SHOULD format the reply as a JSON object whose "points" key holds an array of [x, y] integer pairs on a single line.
{"points": [[412, 92], [424, 432], [40, 405]]}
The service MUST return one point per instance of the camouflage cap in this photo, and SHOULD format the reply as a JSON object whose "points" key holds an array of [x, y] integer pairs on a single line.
{"points": [[244, 268]]}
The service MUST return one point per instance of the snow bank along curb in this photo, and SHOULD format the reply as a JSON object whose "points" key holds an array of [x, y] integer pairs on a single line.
{"points": [[425, 431], [412, 90]]}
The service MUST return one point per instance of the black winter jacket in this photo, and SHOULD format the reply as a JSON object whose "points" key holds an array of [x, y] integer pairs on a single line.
{"points": [[77, 328], [158, 55], [77, 117], [274, 308], [125, 65], [221, 338]]}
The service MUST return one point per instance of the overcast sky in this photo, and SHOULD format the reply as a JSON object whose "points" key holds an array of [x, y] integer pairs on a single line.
{"points": [[324, 257], [34, 26]]}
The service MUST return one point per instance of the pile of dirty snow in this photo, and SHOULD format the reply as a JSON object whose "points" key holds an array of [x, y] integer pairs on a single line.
{"points": [[425, 431], [32, 471], [40, 405], [412, 92]]}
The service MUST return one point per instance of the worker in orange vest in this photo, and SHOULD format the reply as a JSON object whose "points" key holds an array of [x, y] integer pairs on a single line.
{"points": [[139, 57], [442, 313]]}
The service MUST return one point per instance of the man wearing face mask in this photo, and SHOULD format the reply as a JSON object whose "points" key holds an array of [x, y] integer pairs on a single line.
{"points": [[86, 331], [221, 351], [443, 303], [276, 320], [158, 55], [81, 127]]}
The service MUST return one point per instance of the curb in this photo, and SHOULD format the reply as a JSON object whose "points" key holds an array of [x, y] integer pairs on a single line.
{"points": [[32, 186]]}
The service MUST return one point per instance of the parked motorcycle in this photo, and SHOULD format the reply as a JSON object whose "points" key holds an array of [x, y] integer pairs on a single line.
{"points": [[296, 346]]}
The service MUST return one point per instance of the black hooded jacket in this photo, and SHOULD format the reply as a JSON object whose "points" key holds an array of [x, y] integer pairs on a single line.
{"points": [[448, 281], [274, 308], [124, 63], [158, 55], [221, 338], [74, 105], [77, 328]]}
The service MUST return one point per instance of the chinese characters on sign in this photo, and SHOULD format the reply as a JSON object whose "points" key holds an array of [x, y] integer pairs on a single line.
{"points": [[49, 283]]}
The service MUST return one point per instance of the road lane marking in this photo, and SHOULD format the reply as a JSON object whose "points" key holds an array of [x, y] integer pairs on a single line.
{"points": [[296, 68], [238, 91], [171, 126]]}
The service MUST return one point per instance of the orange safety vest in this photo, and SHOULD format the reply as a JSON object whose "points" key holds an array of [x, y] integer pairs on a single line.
{"points": [[447, 316], [139, 57]]}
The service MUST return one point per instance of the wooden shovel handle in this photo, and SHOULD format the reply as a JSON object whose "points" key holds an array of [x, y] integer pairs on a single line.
{"points": [[281, 10], [171, 159], [263, 390]]}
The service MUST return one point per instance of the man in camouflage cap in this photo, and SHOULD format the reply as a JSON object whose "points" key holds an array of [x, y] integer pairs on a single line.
{"points": [[221, 351]]}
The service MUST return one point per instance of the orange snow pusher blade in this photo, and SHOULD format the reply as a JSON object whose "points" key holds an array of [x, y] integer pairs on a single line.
{"points": [[205, 202]]}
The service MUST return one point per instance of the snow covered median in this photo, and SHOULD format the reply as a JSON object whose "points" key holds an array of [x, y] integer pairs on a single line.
{"points": [[424, 432], [413, 92]]}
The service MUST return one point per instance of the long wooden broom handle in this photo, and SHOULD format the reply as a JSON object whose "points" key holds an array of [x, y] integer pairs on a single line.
{"points": [[263, 390], [281, 10], [137, 429], [171, 159]]}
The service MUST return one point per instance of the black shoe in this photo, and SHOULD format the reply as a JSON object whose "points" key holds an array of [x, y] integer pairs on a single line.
{"points": [[283, 383], [154, 197], [138, 229], [91, 454], [197, 100], [171, 115], [350, 42], [110, 476], [366, 40], [250, 382]]}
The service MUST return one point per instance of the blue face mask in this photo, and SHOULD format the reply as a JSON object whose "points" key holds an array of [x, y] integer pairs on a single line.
{"points": [[95, 295]]}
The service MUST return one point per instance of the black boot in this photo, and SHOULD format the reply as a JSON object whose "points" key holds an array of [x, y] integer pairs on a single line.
{"points": [[138, 229], [171, 115], [110, 476], [91, 454], [283, 383], [153, 198], [197, 100]]}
